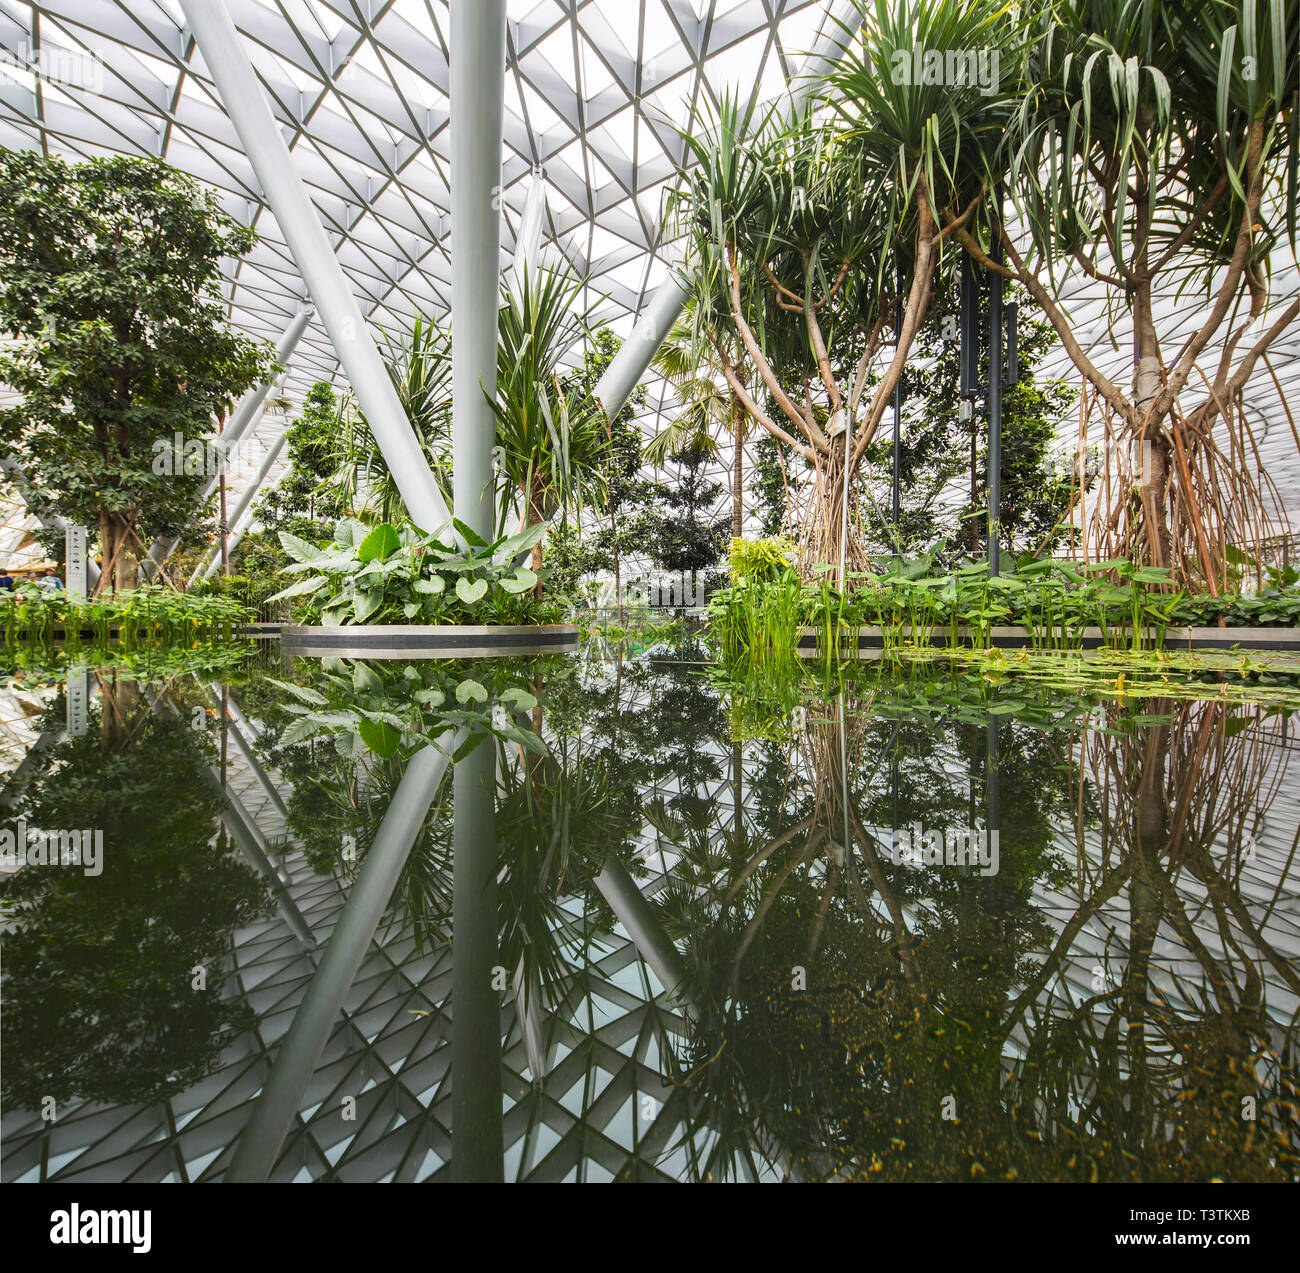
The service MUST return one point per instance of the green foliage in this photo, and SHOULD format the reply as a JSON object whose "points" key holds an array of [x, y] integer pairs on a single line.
{"points": [[398, 574], [689, 534], [1136, 112], [551, 432], [251, 590], [397, 707], [99, 970], [149, 615], [110, 283], [767, 485], [418, 363], [910, 600], [938, 449], [622, 500], [759, 560], [303, 502]]}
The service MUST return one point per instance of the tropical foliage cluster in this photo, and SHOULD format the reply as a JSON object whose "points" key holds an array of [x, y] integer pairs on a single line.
{"points": [[1147, 145], [399, 574], [111, 288], [148, 615]]}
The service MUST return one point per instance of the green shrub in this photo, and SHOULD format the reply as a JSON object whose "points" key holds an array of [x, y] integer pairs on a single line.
{"points": [[759, 560], [399, 574]]}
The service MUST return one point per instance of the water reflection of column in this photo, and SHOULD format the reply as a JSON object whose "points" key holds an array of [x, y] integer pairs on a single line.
{"points": [[992, 795], [243, 737], [476, 1131], [280, 1099], [648, 935], [77, 700]]}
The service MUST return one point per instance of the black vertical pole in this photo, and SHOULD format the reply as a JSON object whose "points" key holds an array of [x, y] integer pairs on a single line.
{"points": [[995, 392]]}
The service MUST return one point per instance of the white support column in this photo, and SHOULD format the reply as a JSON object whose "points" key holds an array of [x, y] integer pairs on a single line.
{"points": [[286, 194], [248, 410], [528, 244], [209, 565], [478, 64], [629, 364], [300, 1049]]}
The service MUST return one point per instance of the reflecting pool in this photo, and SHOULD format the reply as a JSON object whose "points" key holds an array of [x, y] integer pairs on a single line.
{"points": [[593, 918]]}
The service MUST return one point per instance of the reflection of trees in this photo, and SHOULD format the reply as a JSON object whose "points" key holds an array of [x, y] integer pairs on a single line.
{"points": [[557, 821], [822, 1071], [558, 815], [1168, 1062], [924, 986], [98, 989]]}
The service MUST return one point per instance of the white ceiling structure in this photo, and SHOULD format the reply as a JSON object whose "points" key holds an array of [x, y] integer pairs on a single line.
{"points": [[595, 93]]}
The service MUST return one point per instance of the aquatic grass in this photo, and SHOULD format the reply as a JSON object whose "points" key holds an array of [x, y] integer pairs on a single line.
{"points": [[1132, 606], [145, 616]]}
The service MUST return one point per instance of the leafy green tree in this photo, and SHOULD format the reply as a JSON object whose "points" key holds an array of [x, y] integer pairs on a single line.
{"points": [[1154, 151], [303, 504], [623, 501], [767, 484], [100, 997], [110, 283]]}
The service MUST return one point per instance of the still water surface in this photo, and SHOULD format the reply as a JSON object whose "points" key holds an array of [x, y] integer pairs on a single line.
{"points": [[648, 926]]}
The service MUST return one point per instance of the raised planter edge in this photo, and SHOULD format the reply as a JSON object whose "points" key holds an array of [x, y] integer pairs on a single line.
{"points": [[395, 640]]}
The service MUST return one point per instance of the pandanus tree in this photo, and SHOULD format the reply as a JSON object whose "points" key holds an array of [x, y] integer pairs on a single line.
{"points": [[787, 239], [419, 365], [813, 225], [552, 435], [1154, 154]]}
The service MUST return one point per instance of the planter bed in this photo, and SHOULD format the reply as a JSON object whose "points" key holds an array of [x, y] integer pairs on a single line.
{"points": [[869, 638], [424, 641]]}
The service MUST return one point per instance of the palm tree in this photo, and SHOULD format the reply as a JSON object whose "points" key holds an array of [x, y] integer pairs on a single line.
{"points": [[550, 433], [419, 365]]}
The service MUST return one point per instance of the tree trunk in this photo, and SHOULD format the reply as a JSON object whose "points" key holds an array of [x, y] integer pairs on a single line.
{"points": [[536, 515], [121, 568], [1152, 460], [1153, 457]]}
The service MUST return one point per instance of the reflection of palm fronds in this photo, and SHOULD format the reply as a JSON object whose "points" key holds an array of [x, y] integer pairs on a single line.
{"points": [[558, 823]]}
